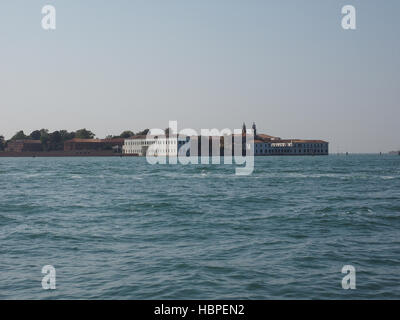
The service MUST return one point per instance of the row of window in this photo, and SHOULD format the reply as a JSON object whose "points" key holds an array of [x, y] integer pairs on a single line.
{"points": [[297, 145], [148, 142], [272, 151], [157, 151]]}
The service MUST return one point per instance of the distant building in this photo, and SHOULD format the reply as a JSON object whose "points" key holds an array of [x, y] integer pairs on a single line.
{"points": [[93, 144], [161, 145], [290, 147], [264, 145], [24, 146]]}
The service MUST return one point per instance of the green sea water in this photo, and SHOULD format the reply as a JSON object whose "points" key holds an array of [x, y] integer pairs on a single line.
{"points": [[120, 228]]}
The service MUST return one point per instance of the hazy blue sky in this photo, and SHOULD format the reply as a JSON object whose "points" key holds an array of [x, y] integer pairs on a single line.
{"points": [[288, 65]]}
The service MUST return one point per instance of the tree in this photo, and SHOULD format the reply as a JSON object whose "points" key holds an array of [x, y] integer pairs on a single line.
{"points": [[144, 132], [55, 141], [126, 134], [84, 134], [20, 135], [35, 135], [44, 139], [65, 135], [2, 143]]}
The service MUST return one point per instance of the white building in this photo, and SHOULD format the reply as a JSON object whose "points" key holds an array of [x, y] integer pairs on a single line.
{"points": [[264, 145], [291, 147], [160, 145]]}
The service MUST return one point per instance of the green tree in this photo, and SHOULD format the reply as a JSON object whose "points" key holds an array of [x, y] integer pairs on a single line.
{"points": [[84, 134], [35, 135], [55, 141], [2, 143], [20, 135], [65, 135], [126, 134], [144, 132], [44, 139]]}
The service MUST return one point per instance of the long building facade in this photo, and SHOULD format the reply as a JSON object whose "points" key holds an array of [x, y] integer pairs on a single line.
{"points": [[93, 144], [160, 146], [291, 147], [24, 146], [264, 145]]}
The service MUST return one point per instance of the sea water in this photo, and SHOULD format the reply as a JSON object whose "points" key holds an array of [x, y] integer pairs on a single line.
{"points": [[120, 228]]}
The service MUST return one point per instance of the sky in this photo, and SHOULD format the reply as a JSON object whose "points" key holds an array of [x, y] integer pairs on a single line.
{"points": [[122, 65]]}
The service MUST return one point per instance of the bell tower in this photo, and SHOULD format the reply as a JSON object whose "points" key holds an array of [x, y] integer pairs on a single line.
{"points": [[244, 128], [254, 129]]}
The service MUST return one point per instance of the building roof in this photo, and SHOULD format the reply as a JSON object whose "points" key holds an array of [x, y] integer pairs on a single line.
{"points": [[290, 141], [297, 141], [266, 136], [308, 141]]}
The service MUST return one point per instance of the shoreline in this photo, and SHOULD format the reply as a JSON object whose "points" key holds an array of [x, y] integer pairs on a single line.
{"points": [[51, 154]]}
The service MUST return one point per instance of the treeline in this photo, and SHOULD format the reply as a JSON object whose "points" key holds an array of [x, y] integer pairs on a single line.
{"points": [[52, 141], [128, 134]]}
